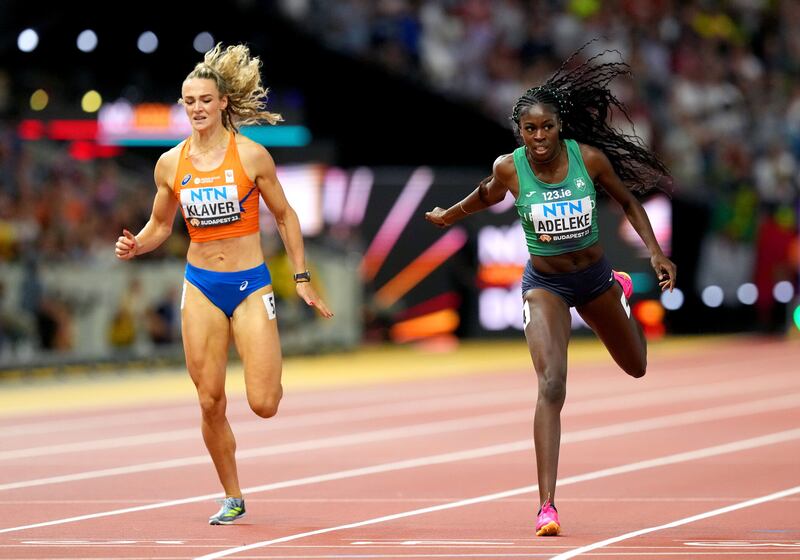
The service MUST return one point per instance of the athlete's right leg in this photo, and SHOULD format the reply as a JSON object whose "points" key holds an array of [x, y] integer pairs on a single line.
{"points": [[206, 333], [547, 330]]}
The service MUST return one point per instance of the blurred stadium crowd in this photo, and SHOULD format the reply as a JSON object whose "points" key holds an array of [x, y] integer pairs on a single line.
{"points": [[714, 89], [714, 85]]}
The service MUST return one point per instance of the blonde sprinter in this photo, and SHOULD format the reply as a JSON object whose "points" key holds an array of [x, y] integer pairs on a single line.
{"points": [[216, 177]]}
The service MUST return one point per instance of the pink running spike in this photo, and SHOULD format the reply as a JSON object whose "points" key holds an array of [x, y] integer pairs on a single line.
{"points": [[625, 281], [547, 524]]}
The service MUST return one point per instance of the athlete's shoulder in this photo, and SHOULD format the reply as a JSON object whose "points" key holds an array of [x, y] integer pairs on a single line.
{"points": [[252, 152], [173, 154], [589, 152], [249, 147], [594, 158], [167, 164], [504, 165], [255, 158]]}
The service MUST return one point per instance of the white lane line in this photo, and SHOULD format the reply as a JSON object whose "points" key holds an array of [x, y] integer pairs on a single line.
{"points": [[732, 447], [477, 453], [687, 393], [138, 418], [511, 447], [432, 428], [372, 411], [672, 420], [685, 521], [193, 412], [390, 434], [303, 420]]}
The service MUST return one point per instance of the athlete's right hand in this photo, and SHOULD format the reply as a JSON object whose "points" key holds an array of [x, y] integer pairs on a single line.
{"points": [[436, 217], [126, 246]]}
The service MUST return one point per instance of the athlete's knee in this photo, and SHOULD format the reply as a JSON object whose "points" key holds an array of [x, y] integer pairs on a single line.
{"points": [[553, 388], [267, 405], [212, 405]]}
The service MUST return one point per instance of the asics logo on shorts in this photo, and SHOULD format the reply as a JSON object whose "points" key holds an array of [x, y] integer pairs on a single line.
{"points": [[243, 286]]}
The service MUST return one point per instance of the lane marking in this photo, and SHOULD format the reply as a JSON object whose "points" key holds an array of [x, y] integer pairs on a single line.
{"points": [[685, 521], [686, 393], [622, 428], [741, 445], [368, 412], [387, 434], [489, 451], [747, 544], [352, 402], [724, 388]]}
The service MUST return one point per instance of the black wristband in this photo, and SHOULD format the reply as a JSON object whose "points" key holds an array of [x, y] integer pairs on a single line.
{"points": [[302, 277]]}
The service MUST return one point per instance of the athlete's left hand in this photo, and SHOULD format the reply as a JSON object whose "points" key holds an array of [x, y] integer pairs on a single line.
{"points": [[665, 270], [306, 291]]}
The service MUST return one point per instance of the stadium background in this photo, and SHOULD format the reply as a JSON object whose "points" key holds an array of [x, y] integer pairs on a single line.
{"points": [[391, 107]]}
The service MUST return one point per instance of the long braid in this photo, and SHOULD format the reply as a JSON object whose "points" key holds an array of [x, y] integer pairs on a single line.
{"points": [[582, 100]]}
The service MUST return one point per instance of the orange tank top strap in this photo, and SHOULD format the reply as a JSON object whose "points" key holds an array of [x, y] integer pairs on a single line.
{"points": [[219, 203]]}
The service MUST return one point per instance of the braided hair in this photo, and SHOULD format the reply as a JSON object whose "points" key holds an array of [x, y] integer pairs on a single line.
{"points": [[581, 100]]}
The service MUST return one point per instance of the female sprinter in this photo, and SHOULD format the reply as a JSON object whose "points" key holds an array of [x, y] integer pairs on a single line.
{"points": [[216, 177], [568, 149]]}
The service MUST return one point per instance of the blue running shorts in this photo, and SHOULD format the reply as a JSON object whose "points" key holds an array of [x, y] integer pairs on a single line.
{"points": [[227, 290]]}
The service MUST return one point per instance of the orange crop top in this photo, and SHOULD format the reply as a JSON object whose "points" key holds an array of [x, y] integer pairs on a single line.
{"points": [[217, 204]]}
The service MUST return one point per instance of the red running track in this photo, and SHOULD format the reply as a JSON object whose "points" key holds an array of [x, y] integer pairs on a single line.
{"points": [[699, 459]]}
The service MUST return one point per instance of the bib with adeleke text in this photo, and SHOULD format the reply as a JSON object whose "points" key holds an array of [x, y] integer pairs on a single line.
{"points": [[557, 218]]}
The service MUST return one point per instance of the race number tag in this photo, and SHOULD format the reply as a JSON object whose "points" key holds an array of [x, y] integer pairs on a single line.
{"points": [[269, 303], [211, 206], [625, 305], [558, 221]]}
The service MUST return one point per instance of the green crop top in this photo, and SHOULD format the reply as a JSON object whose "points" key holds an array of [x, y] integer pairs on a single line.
{"points": [[557, 218]]}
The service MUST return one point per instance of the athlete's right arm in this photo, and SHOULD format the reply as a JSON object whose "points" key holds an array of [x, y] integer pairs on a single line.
{"points": [[490, 191], [159, 226]]}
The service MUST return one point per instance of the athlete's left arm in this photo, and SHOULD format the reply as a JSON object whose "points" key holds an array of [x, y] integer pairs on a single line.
{"points": [[602, 173], [259, 165]]}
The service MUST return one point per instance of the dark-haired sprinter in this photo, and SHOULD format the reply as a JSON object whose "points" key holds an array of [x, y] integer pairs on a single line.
{"points": [[567, 151]]}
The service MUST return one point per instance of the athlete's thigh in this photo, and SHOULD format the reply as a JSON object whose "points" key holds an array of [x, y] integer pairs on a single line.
{"points": [[547, 324], [206, 337], [255, 330], [609, 316]]}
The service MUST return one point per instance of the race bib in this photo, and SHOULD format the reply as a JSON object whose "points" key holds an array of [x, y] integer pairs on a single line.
{"points": [[211, 206], [567, 219]]}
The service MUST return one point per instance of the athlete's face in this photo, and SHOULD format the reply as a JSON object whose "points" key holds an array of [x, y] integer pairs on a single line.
{"points": [[202, 102], [539, 127]]}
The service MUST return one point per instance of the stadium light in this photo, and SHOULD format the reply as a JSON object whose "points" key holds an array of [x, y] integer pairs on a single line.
{"points": [[672, 300], [87, 40], [39, 100], [203, 42], [91, 101], [747, 293], [147, 42], [28, 40], [783, 291], [712, 296]]}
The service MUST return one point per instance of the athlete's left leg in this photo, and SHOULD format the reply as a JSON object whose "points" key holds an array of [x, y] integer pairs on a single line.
{"points": [[609, 316], [255, 331]]}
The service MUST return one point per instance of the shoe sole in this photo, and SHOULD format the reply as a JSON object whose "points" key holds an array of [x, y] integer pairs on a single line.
{"points": [[550, 530], [220, 522], [627, 277]]}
